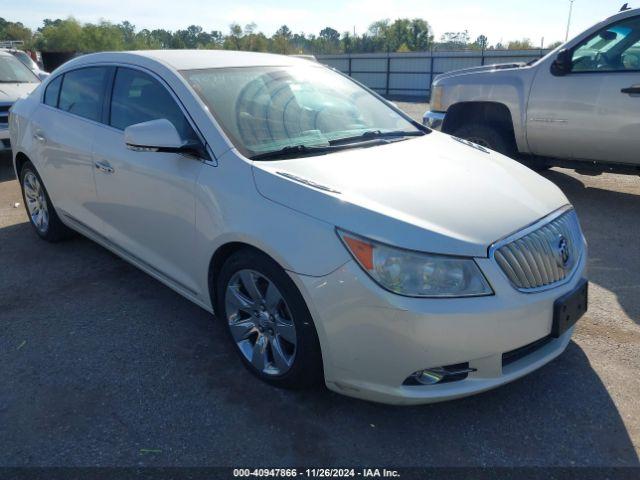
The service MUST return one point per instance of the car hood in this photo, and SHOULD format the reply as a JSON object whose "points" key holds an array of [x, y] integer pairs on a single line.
{"points": [[432, 193], [484, 68], [10, 92]]}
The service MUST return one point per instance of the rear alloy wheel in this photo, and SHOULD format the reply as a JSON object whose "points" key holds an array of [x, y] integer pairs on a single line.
{"points": [[268, 321], [42, 215], [36, 202]]}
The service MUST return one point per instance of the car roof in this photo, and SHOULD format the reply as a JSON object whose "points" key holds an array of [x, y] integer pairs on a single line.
{"points": [[194, 59], [624, 14]]}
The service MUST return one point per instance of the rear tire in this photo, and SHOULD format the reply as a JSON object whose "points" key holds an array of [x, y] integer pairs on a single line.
{"points": [[488, 136], [42, 215], [268, 321]]}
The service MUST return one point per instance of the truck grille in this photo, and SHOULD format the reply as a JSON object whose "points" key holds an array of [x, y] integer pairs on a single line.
{"points": [[544, 256]]}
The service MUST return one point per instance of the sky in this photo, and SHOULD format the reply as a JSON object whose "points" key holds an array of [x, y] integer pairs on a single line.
{"points": [[499, 20]]}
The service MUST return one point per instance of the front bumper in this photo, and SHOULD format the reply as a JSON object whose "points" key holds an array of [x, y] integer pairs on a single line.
{"points": [[372, 340], [433, 120]]}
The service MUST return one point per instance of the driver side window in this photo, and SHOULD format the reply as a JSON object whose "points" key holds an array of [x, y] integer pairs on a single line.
{"points": [[616, 48], [137, 98]]}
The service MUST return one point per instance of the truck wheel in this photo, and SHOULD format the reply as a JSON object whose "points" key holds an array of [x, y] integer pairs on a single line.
{"points": [[487, 136]]}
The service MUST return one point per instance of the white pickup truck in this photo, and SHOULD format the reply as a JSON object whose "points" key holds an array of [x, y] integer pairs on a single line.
{"points": [[578, 107]]}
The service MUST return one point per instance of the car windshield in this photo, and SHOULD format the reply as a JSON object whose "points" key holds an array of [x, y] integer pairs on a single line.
{"points": [[13, 70], [26, 59], [270, 109]]}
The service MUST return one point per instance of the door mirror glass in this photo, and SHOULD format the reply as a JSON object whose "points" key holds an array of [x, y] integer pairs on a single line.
{"points": [[562, 64], [156, 136]]}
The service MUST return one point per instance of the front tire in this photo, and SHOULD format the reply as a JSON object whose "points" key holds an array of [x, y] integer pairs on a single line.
{"points": [[268, 321], [42, 214]]}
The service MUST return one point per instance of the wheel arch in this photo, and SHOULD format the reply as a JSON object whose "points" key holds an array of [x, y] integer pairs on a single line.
{"points": [[220, 255], [493, 113], [20, 159]]}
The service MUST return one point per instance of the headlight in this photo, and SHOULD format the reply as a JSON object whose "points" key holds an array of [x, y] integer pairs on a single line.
{"points": [[416, 274], [436, 103]]}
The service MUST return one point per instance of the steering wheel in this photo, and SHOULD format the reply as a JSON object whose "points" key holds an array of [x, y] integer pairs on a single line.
{"points": [[602, 62]]}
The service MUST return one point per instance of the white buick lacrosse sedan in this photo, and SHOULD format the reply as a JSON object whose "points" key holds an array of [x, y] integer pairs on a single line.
{"points": [[337, 239]]}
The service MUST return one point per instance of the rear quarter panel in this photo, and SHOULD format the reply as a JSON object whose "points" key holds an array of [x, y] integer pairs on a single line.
{"points": [[20, 128]]}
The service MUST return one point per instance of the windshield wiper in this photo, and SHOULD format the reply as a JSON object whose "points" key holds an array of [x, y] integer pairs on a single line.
{"points": [[376, 134], [13, 81], [293, 151]]}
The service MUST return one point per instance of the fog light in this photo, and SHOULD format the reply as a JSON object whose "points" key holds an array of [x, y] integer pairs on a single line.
{"points": [[432, 376]]}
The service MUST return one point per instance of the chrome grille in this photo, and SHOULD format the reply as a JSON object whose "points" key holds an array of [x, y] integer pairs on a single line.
{"points": [[543, 256]]}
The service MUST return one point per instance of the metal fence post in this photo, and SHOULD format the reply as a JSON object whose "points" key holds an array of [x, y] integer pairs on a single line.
{"points": [[431, 64], [388, 72], [482, 57], [349, 64]]}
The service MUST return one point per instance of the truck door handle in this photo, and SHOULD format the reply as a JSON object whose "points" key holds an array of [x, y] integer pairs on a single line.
{"points": [[634, 90], [104, 167]]}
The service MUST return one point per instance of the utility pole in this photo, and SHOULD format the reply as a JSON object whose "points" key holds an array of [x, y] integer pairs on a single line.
{"points": [[566, 37]]}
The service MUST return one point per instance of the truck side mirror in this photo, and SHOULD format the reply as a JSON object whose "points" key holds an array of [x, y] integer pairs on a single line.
{"points": [[562, 64]]}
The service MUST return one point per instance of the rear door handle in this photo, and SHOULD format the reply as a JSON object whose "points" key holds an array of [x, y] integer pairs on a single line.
{"points": [[39, 137], [633, 90], [104, 167]]}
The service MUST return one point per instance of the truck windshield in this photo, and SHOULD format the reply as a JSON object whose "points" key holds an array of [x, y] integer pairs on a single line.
{"points": [[13, 70], [268, 109]]}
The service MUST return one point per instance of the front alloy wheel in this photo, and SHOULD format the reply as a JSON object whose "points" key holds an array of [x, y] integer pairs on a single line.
{"points": [[260, 322], [268, 320]]}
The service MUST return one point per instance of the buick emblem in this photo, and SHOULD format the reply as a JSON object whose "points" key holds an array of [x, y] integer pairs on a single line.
{"points": [[563, 251]]}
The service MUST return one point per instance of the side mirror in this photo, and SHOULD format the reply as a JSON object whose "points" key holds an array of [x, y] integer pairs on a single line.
{"points": [[562, 64], [156, 136], [43, 75]]}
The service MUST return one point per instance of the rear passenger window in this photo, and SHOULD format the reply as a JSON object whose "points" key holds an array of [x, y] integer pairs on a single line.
{"points": [[82, 92], [137, 98], [52, 91]]}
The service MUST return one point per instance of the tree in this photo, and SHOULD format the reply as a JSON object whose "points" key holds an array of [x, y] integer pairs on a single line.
{"points": [[329, 40], [232, 41], [454, 41], [61, 36], [15, 31], [554, 45], [481, 43], [281, 40], [524, 44], [128, 32]]}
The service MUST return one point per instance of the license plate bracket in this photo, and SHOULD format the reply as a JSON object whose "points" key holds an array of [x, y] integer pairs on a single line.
{"points": [[569, 308]]}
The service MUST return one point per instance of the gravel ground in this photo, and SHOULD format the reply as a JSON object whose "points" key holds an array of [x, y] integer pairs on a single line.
{"points": [[102, 365]]}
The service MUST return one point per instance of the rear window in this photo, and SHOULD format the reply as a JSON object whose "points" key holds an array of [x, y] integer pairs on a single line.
{"points": [[82, 92]]}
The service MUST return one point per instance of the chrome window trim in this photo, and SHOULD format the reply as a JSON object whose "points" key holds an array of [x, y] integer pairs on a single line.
{"points": [[526, 231]]}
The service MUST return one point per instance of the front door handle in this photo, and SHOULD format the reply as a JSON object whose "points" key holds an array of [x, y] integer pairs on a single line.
{"points": [[37, 135], [104, 167], [633, 90]]}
